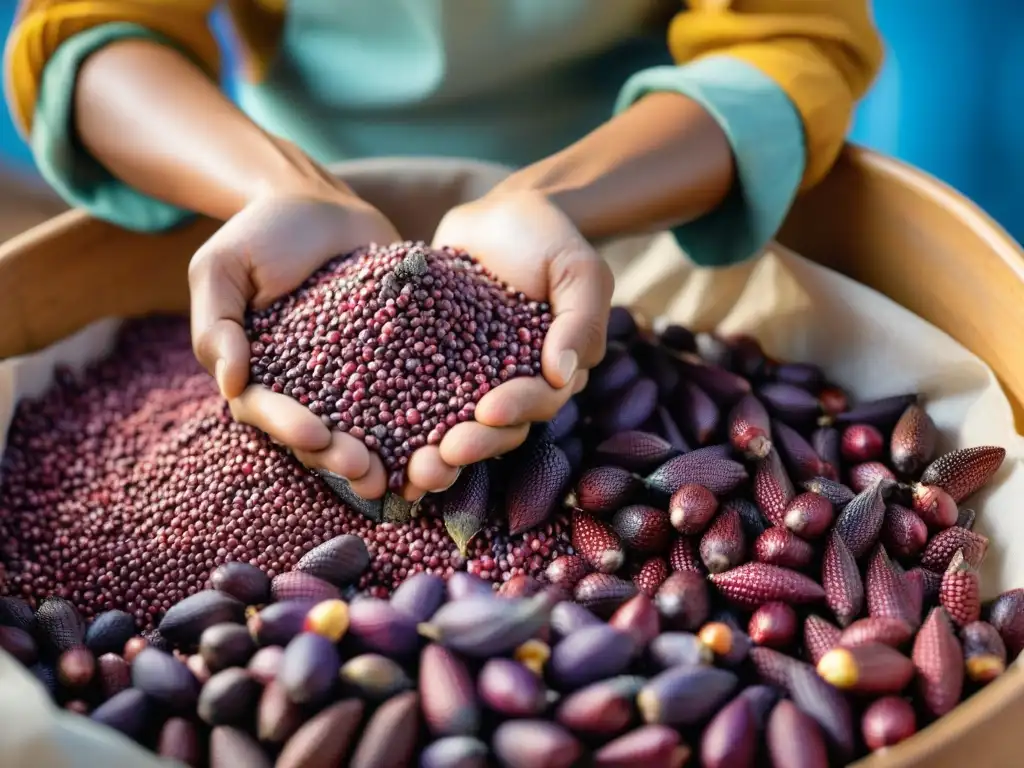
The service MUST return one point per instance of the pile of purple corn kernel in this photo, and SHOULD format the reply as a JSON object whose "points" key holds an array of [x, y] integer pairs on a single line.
{"points": [[395, 345]]}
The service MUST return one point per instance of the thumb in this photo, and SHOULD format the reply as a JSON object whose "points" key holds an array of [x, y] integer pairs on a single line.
{"points": [[581, 287], [220, 289]]}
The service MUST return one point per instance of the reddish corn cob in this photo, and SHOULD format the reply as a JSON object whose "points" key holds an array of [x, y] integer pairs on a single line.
{"points": [[682, 600], [808, 515], [1007, 616], [833, 400], [872, 668], [777, 546], [844, 589], [862, 476], [773, 490], [730, 740], [603, 489], [885, 590], [682, 556], [861, 520], [794, 738], [940, 550], [637, 617], [903, 532], [862, 442], [874, 629], [750, 430], [937, 659], [820, 637], [887, 722], [603, 593], [960, 591], [934, 505], [962, 472], [642, 528], [598, 544], [773, 625], [651, 576], [692, 508], [912, 444], [566, 571], [723, 546], [754, 584]]}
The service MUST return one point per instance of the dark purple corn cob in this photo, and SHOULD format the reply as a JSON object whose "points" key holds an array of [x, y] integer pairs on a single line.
{"points": [[860, 522], [723, 386], [790, 404], [882, 413], [666, 426], [616, 371], [629, 408], [536, 486], [564, 421], [913, 440], [636, 451], [826, 443], [718, 475], [696, 413], [837, 493], [798, 455], [466, 504]]}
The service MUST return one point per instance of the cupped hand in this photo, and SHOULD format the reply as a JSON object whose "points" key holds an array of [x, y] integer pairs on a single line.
{"points": [[528, 242], [264, 252]]}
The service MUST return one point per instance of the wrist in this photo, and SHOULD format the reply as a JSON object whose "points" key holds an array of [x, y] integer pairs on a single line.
{"points": [[292, 173]]}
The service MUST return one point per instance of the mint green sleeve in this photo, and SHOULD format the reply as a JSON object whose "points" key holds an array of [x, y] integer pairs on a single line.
{"points": [[62, 160], [766, 135]]}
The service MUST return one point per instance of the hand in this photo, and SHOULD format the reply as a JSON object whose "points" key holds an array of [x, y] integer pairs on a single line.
{"points": [[527, 241], [265, 251]]}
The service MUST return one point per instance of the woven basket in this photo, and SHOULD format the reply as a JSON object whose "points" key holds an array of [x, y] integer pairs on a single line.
{"points": [[874, 219]]}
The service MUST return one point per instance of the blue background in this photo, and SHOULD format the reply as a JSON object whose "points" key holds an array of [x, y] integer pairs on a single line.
{"points": [[950, 99]]}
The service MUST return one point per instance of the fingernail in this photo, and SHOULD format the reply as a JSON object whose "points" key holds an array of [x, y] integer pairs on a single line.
{"points": [[219, 370], [369, 508], [458, 472], [567, 362]]}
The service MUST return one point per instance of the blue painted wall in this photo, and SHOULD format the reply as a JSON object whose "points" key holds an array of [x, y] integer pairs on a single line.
{"points": [[950, 98]]}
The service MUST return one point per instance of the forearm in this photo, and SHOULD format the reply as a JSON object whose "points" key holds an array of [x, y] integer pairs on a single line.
{"points": [[663, 161], [157, 122]]}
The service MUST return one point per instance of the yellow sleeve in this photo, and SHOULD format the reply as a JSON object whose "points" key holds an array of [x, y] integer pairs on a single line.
{"points": [[822, 53], [41, 26]]}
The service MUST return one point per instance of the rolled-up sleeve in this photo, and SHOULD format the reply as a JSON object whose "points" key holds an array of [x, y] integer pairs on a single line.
{"points": [[781, 77], [48, 45]]}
